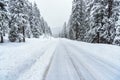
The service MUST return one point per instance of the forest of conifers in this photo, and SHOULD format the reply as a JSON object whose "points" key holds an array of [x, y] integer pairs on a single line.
{"points": [[20, 19], [94, 21]]}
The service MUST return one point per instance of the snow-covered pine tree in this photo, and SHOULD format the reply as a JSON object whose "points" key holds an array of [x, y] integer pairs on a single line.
{"points": [[43, 24], [116, 10], [49, 31], [6, 27], [28, 12], [46, 29], [77, 27], [109, 20], [38, 18], [63, 33], [68, 27], [37, 24], [18, 20], [97, 13], [34, 21], [117, 37], [89, 5], [3, 16], [108, 28], [103, 16]]}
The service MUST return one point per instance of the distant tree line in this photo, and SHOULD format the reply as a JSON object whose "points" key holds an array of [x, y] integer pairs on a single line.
{"points": [[94, 21], [20, 19]]}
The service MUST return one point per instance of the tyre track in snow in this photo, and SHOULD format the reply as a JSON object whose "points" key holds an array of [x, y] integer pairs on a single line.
{"points": [[75, 67], [27, 67], [68, 59], [49, 65], [96, 58], [98, 64], [22, 68], [28, 75], [80, 68], [75, 63]]}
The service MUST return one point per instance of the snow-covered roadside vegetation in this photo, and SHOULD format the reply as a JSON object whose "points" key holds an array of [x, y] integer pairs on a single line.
{"points": [[94, 21], [20, 19]]}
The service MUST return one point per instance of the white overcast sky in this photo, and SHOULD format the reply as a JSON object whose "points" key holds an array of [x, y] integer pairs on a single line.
{"points": [[55, 12]]}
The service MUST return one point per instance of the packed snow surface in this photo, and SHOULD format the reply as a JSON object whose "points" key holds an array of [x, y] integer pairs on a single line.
{"points": [[59, 59]]}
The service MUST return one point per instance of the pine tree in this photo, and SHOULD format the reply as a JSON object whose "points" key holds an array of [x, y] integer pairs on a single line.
{"points": [[17, 28], [117, 24], [103, 20], [117, 37], [37, 24], [30, 14], [46, 29], [112, 15], [3, 16], [77, 24], [34, 19], [89, 5], [22, 19], [63, 33], [38, 19], [97, 10]]}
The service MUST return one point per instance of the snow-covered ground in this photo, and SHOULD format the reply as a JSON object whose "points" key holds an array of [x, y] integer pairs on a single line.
{"points": [[59, 59]]}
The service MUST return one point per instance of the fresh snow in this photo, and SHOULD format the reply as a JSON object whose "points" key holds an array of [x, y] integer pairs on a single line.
{"points": [[59, 59]]}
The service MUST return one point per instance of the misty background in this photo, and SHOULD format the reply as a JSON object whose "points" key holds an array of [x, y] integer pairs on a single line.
{"points": [[55, 12]]}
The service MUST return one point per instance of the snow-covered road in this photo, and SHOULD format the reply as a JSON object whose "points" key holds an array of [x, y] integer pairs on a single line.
{"points": [[59, 59]]}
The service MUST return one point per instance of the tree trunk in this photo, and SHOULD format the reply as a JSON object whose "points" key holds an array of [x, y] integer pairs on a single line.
{"points": [[1, 39], [77, 31], [19, 40], [98, 37], [23, 34]]}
